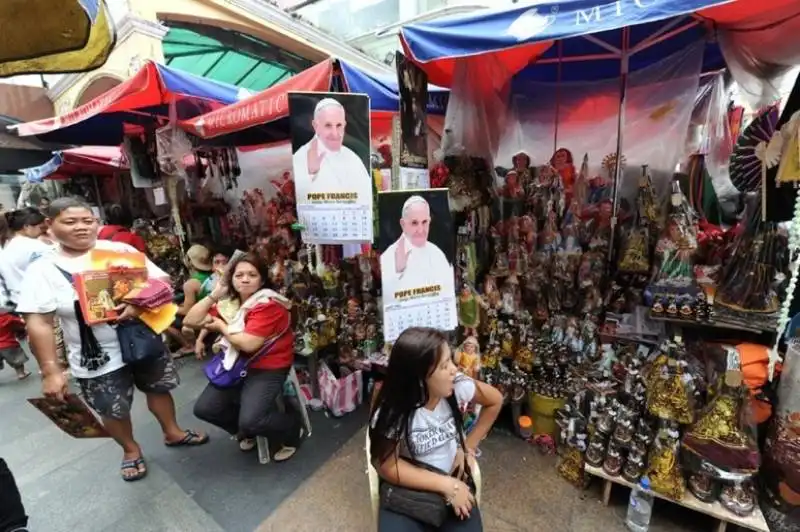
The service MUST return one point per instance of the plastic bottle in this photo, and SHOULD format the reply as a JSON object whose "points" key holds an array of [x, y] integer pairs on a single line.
{"points": [[640, 507]]}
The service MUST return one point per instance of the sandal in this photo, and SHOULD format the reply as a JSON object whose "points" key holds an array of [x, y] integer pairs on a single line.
{"points": [[137, 464], [247, 444], [24, 375], [183, 352], [190, 439], [287, 452]]}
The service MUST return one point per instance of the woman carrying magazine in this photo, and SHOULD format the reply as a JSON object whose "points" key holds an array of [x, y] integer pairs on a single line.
{"points": [[260, 331]]}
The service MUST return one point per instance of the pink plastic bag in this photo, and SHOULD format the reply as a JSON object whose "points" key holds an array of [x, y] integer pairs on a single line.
{"points": [[340, 395]]}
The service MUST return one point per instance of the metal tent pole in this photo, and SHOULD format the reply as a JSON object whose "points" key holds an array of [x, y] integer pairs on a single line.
{"points": [[558, 95], [623, 93]]}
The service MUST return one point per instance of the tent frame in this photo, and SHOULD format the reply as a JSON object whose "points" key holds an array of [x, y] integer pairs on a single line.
{"points": [[624, 54]]}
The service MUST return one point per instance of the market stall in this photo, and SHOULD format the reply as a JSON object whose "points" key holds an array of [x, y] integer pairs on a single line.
{"points": [[593, 290]]}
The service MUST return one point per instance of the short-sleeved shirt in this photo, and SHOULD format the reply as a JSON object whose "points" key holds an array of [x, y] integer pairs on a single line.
{"points": [[267, 320], [46, 289], [9, 324], [434, 434], [19, 253]]}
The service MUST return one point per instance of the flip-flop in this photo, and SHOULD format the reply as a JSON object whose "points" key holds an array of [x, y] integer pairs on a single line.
{"points": [[286, 452], [190, 439], [138, 464], [24, 376]]}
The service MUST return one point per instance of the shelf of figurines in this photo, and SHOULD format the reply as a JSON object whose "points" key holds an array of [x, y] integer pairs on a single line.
{"points": [[705, 313], [754, 521], [677, 414]]}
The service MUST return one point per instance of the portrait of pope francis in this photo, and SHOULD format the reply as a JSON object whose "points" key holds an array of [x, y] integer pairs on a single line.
{"points": [[413, 261], [324, 164]]}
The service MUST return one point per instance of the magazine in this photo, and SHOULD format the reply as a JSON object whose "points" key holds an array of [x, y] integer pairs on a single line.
{"points": [[72, 416], [100, 292]]}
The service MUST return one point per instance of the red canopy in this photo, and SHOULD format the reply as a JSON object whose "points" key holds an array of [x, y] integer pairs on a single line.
{"points": [[744, 12], [94, 160], [146, 95], [262, 108]]}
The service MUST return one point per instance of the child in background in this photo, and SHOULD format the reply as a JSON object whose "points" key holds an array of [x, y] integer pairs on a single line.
{"points": [[10, 351]]}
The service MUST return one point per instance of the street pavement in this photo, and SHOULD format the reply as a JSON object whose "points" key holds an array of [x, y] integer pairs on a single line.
{"points": [[74, 485]]}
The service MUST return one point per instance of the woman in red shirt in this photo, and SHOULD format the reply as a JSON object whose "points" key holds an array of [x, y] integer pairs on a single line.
{"points": [[250, 410]]}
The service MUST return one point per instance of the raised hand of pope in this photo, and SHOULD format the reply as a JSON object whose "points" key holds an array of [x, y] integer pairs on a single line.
{"points": [[401, 256], [314, 159]]}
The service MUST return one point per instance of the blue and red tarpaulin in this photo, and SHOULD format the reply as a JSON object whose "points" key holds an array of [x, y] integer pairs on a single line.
{"points": [[522, 40], [264, 117], [139, 100], [91, 160], [383, 91]]}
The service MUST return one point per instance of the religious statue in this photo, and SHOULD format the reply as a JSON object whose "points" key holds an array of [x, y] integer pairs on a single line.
{"points": [[563, 163], [469, 316], [512, 188], [468, 358]]}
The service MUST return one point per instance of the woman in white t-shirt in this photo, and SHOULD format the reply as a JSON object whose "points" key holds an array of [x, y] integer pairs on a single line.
{"points": [[22, 248], [414, 422]]}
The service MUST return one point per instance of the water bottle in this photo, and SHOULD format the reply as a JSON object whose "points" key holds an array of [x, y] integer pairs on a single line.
{"points": [[640, 507]]}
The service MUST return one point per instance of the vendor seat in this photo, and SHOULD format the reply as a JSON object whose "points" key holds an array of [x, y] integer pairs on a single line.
{"points": [[261, 441]]}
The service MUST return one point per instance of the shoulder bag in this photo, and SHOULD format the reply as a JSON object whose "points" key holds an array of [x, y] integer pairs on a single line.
{"points": [[230, 378], [424, 506], [137, 341]]}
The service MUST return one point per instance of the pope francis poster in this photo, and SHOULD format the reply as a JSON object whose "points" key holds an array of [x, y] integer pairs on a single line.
{"points": [[417, 245], [330, 162]]}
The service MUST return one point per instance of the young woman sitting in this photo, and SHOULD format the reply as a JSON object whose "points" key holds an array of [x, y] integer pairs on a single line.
{"points": [[250, 409], [416, 436]]}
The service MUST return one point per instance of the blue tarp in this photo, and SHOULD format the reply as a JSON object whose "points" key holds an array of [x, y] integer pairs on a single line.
{"points": [[383, 91], [658, 28], [38, 173]]}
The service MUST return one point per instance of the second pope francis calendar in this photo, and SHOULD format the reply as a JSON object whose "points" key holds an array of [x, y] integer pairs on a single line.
{"points": [[331, 166], [417, 246]]}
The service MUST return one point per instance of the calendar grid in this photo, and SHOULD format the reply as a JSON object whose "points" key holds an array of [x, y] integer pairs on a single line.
{"points": [[439, 314], [335, 223]]}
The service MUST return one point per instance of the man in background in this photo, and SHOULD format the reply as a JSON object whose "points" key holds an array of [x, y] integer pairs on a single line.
{"points": [[118, 228]]}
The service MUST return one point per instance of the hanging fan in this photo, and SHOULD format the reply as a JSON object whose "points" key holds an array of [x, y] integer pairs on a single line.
{"points": [[750, 153]]}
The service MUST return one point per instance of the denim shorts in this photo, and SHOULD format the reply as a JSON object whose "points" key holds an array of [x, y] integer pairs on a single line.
{"points": [[111, 395]]}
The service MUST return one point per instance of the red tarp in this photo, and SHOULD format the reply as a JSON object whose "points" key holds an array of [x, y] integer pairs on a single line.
{"points": [[92, 160], [262, 108]]}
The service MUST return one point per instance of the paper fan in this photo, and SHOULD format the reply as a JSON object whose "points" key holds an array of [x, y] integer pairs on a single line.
{"points": [[747, 159]]}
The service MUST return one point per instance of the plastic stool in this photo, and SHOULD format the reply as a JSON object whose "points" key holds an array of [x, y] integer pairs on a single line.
{"points": [[261, 441]]}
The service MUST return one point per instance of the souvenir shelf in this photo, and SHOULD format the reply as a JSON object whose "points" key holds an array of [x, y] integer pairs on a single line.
{"points": [[755, 521]]}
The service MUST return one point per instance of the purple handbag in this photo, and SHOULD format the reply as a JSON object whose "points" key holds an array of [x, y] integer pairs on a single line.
{"points": [[230, 378]]}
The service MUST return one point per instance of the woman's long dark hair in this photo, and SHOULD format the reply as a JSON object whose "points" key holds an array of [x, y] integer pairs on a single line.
{"points": [[260, 266], [414, 356], [21, 218]]}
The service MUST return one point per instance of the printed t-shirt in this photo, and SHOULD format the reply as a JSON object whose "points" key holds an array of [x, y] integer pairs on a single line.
{"points": [[434, 438], [47, 290]]}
